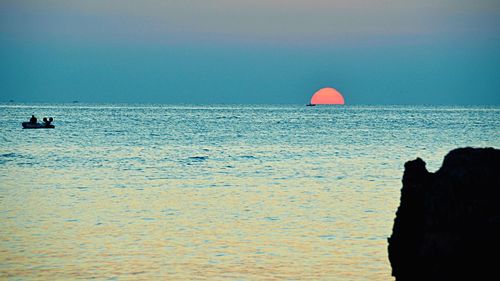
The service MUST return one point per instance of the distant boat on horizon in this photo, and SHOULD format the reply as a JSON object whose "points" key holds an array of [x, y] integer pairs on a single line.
{"points": [[310, 104], [29, 125]]}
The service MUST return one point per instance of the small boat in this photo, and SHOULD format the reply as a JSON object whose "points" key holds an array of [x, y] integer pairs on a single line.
{"points": [[310, 104], [29, 125]]}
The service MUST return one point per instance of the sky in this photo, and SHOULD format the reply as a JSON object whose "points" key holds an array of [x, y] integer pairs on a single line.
{"points": [[437, 52]]}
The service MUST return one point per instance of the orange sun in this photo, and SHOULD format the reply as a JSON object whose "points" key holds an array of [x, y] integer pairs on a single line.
{"points": [[327, 96]]}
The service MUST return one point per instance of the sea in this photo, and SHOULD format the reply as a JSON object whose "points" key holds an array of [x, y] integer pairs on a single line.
{"points": [[214, 192]]}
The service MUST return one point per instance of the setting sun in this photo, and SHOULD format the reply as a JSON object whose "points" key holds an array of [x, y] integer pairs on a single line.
{"points": [[327, 96]]}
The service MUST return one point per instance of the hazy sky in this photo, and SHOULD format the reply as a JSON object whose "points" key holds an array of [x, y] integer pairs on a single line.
{"points": [[250, 51]]}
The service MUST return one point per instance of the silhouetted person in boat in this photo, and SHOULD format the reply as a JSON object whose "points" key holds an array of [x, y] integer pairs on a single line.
{"points": [[47, 122], [33, 119]]}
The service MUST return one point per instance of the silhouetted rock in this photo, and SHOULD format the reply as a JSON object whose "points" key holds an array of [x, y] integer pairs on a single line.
{"points": [[447, 226]]}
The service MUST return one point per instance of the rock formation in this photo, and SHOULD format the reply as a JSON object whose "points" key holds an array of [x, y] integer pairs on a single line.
{"points": [[447, 226]]}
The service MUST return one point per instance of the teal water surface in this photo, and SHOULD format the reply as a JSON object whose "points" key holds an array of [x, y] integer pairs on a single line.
{"points": [[214, 192]]}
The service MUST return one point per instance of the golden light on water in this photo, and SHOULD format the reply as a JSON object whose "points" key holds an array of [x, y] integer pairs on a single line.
{"points": [[215, 192], [79, 230]]}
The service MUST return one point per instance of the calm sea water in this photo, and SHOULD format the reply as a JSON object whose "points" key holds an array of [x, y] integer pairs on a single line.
{"points": [[149, 192]]}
